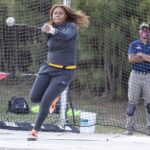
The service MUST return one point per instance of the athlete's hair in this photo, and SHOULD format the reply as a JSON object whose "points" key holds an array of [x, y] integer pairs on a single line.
{"points": [[78, 17]]}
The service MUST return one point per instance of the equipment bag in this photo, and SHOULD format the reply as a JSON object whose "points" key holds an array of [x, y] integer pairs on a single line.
{"points": [[18, 105]]}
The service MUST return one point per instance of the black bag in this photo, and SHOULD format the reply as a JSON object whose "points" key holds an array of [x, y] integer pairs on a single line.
{"points": [[18, 105]]}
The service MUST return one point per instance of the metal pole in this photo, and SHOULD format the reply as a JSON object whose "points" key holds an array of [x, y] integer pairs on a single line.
{"points": [[63, 107], [67, 2], [64, 94]]}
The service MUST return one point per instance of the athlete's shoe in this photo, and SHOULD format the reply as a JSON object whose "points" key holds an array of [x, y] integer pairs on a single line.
{"points": [[128, 132], [32, 136], [61, 127]]}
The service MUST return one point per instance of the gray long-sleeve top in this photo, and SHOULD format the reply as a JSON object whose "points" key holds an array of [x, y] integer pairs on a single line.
{"points": [[62, 44]]}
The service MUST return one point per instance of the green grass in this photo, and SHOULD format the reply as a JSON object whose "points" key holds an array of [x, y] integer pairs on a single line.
{"points": [[109, 112], [108, 129]]}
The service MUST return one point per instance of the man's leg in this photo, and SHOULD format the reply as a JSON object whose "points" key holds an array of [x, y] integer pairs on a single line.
{"points": [[130, 119], [134, 92], [148, 118], [146, 97]]}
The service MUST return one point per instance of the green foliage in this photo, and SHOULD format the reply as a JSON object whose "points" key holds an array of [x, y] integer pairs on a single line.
{"points": [[113, 25], [31, 10], [102, 48], [23, 45]]}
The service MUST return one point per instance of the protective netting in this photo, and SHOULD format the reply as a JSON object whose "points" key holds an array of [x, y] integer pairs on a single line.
{"points": [[103, 70]]}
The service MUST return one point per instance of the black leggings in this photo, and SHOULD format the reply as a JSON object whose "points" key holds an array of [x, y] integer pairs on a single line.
{"points": [[46, 88]]}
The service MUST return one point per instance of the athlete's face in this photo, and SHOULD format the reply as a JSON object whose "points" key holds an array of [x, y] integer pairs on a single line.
{"points": [[59, 16]]}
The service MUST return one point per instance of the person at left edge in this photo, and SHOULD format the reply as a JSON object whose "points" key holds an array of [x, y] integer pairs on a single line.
{"points": [[54, 76]]}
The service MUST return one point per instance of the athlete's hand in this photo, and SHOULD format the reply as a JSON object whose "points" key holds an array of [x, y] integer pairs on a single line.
{"points": [[45, 28], [48, 28]]}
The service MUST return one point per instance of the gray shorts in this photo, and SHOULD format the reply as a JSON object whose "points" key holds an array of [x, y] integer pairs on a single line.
{"points": [[139, 87]]}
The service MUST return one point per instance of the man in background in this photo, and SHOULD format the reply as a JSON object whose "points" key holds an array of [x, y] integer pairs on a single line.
{"points": [[139, 80]]}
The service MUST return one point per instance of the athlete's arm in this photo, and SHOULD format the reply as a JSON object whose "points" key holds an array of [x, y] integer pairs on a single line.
{"points": [[69, 32]]}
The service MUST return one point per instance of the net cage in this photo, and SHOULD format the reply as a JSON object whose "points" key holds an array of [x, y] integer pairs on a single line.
{"points": [[101, 84]]}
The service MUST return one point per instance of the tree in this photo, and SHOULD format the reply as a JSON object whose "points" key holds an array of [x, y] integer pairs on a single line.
{"points": [[104, 46]]}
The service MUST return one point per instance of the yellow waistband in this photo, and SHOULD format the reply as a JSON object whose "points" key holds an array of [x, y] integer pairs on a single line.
{"points": [[62, 67]]}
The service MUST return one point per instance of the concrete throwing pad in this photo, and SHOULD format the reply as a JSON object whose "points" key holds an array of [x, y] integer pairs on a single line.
{"points": [[16, 140]]}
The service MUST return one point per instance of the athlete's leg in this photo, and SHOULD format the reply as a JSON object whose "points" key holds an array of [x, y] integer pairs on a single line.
{"points": [[39, 87], [57, 85], [54, 89]]}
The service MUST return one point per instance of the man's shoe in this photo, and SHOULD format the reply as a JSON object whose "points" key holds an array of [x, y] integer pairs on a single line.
{"points": [[128, 132], [148, 131], [32, 136]]}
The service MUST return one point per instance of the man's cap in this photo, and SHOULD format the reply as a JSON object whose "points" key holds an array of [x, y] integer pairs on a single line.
{"points": [[144, 25]]}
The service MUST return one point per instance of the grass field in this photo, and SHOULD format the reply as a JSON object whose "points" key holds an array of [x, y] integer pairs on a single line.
{"points": [[110, 114]]}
